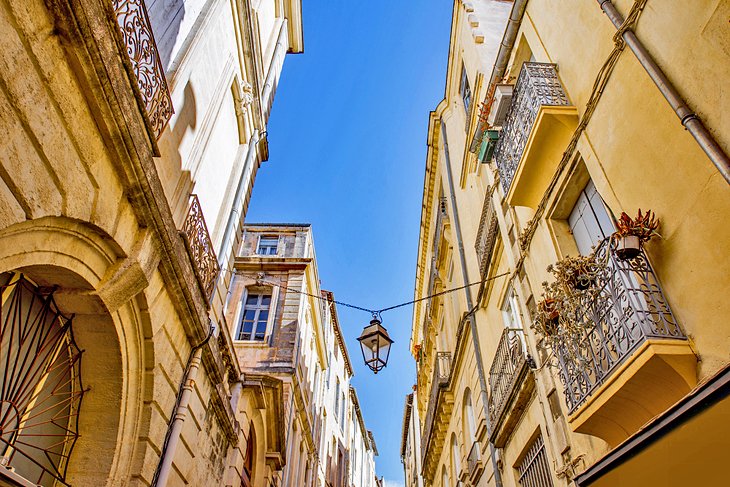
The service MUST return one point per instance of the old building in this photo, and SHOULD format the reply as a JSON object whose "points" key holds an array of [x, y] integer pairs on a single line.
{"points": [[126, 170], [585, 379], [410, 449], [295, 364]]}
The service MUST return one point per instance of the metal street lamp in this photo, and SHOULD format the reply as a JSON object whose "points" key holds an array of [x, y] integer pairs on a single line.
{"points": [[375, 344]]}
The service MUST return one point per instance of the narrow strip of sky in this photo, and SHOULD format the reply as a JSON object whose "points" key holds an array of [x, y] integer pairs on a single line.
{"points": [[347, 139]]}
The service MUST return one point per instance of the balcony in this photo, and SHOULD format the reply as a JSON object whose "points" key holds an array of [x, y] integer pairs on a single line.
{"points": [[134, 24], [487, 233], [440, 380], [200, 247], [633, 361], [538, 126], [474, 463], [511, 384]]}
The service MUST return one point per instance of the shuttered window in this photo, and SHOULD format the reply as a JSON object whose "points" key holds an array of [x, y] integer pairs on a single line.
{"points": [[589, 220]]}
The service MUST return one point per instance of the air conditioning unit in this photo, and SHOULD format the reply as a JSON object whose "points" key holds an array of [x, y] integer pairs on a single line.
{"points": [[500, 105]]}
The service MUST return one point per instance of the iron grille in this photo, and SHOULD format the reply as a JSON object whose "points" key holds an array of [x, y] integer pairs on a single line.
{"points": [[508, 366], [534, 469], [628, 309], [487, 233], [40, 383], [200, 247], [537, 85], [139, 41], [441, 376]]}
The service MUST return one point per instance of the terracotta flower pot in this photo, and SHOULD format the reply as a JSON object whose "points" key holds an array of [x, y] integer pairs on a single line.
{"points": [[628, 247]]}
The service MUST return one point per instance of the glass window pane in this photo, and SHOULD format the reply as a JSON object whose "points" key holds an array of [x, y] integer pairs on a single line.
{"points": [[266, 300], [252, 299]]}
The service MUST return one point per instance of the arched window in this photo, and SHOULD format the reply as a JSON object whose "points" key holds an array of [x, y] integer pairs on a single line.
{"points": [[444, 477], [468, 423], [455, 457], [248, 461], [40, 382]]}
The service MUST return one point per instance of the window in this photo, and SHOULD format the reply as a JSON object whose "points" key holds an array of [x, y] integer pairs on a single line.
{"points": [[342, 410], [511, 311], [268, 245], [468, 422], [455, 457], [337, 399], [589, 221], [534, 469], [255, 317], [465, 90]]}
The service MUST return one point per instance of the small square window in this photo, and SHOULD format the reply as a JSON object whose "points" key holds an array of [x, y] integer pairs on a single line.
{"points": [[268, 245], [254, 318]]}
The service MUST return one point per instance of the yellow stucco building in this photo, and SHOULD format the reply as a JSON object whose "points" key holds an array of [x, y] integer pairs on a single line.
{"points": [[575, 360]]}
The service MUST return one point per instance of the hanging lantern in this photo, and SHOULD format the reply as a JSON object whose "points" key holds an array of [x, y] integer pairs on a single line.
{"points": [[375, 344]]}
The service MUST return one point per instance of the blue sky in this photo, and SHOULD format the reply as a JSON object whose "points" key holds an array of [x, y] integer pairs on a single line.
{"points": [[347, 142]]}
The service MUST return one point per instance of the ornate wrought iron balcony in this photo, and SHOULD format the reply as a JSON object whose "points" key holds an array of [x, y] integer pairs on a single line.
{"points": [[509, 369], [628, 309], [134, 23], [441, 377], [537, 85], [487, 233], [200, 247]]}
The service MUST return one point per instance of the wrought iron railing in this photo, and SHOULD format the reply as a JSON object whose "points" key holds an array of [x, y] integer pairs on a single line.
{"points": [[200, 247], [537, 85], [139, 42], [627, 309], [487, 233], [474, 461], [441, 376], [508, 366]]}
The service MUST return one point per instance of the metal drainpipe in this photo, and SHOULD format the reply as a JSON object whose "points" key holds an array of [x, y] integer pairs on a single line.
{"points": [[172, 438], [689, 119], [470, 318]]}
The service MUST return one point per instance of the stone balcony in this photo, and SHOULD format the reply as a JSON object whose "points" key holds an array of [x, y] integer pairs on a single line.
{"points": [[633, 361], [139, 42], [538, 127], [511, 384]]}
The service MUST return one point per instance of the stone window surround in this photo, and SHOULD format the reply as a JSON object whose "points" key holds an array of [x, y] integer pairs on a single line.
{"points": [[238, 321]]}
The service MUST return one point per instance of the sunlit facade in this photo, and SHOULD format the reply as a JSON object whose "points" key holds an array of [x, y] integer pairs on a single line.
{"points": [[586, 379]]}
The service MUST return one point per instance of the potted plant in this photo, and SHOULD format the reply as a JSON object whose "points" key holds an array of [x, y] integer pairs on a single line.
{"points": [[577, 273], [632, 233], [548, 316]]}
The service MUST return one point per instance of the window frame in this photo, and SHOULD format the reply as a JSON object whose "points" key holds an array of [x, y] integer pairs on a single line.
{"points": [[273, 292], [465, 90], [269, 239]]}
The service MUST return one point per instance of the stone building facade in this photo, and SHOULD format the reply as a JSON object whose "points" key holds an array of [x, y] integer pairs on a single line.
{"points": [[126, 170], [286, 334], [619, 369]]}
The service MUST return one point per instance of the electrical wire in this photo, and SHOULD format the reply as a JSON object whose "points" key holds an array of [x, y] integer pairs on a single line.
{"points": [[375, 312]]}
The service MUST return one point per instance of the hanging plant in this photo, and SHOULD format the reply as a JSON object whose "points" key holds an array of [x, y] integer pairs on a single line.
{"points": [[560, 319], [548, 316], [577, 273], [632, 233]]}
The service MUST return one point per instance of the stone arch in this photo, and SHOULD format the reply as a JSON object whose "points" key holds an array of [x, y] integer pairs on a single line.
{"points": [[110, 325]]}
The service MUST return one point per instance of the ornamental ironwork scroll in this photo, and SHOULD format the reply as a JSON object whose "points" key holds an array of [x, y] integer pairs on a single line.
{"points": [[40, 383], [537, 85], [139, 41], [200, 247], [628, 308]]}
